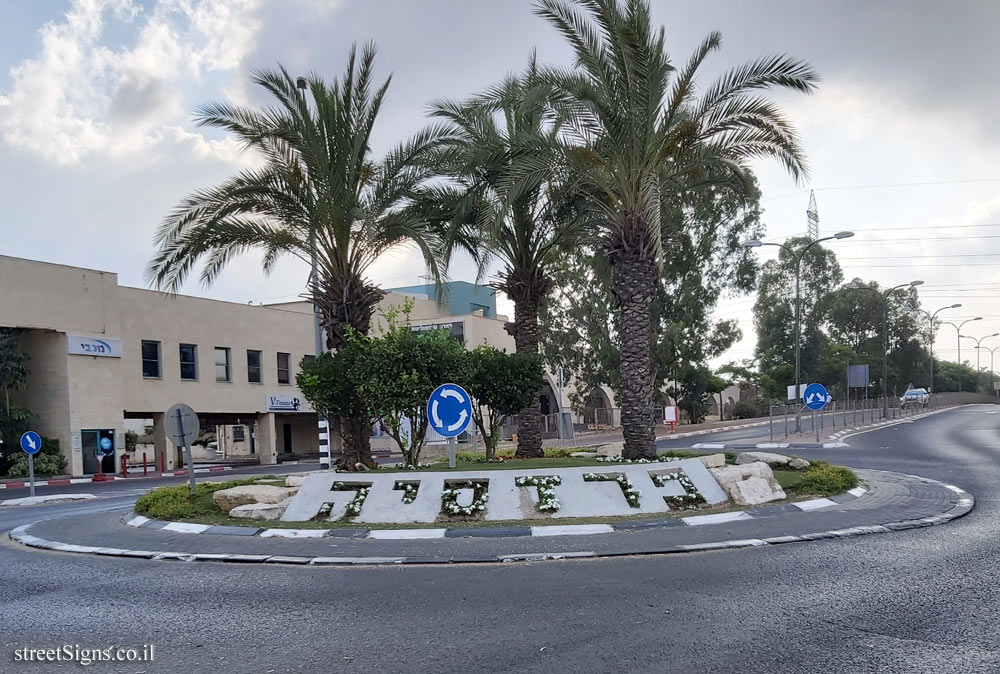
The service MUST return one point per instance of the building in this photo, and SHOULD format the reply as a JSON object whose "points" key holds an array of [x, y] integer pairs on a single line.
{"points": [[103, 354]]}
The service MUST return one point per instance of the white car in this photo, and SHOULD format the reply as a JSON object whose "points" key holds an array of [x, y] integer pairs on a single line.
{"points": [[915, 397]]}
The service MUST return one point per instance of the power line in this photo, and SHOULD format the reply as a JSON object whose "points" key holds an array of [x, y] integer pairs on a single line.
{"points": [[886, 186]]}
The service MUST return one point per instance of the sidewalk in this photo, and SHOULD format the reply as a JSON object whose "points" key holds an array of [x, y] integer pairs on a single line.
{"points": [[889, 502]]}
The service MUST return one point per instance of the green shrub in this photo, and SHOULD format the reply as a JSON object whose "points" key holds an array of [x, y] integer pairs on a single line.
{"points": [[45, 464], [824, 479], [180, 502], [749, 409]]}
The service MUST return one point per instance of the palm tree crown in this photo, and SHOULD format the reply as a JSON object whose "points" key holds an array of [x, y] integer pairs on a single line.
{"points": [[317, 193]]}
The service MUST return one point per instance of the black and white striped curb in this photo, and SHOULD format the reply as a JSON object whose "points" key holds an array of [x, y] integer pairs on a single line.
{"points": [[708, 431], [496, 532], [961, 505]]}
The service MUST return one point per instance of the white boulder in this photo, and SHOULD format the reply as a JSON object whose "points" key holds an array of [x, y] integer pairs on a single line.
{"points": [[261, 511], [296, 479], [767, 457], [713, 460], [755, 490], [584, 455], [799, 464], [227, 499], [613, 449]]}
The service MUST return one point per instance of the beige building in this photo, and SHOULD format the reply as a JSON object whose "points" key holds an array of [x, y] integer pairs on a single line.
{"points": [[102, 354]]}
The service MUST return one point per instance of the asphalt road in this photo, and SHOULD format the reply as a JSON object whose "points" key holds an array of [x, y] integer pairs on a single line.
{"points": [[915, 601]]}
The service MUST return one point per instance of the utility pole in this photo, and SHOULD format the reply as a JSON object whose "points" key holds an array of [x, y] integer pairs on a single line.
{"points": [[958, 340]]}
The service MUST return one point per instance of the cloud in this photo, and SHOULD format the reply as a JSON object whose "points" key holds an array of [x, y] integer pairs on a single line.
{"points": [[80, 96]]}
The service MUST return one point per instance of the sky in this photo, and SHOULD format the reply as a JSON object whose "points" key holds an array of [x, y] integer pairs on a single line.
{"points": [[97, 141]]}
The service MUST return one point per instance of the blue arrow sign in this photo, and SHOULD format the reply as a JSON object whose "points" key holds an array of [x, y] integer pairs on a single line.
{"points": [[449, 410], [31, 442], [105, 445], [816, 397]]}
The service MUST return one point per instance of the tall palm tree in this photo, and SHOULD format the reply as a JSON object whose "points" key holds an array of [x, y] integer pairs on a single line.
{"points": [[641, 138], [502, 215], [317, 193]]}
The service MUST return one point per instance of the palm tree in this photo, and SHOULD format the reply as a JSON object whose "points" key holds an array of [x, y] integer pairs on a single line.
{"points": [[640, 139], [317, 193], [503, 215]]}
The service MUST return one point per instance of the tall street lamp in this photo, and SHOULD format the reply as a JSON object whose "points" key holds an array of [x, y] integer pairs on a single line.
{"points": [[986, 348], [797, 256], [958, 339], [930, 339], [884, 297], [979, 375], [323, 423]]}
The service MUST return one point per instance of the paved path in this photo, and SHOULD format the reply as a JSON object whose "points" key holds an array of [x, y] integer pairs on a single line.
{"points": [[909, 602]]}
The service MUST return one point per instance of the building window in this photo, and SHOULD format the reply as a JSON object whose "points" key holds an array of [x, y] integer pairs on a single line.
{"points": [[284, 369], [189, 361], [253, 366], [222, 364], [150, 359], [238, 435]]}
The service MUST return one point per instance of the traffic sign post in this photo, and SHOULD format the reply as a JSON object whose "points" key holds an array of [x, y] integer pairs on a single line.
{"points": [[31, 443], [815, 398], [449, 411], [182, 425]]}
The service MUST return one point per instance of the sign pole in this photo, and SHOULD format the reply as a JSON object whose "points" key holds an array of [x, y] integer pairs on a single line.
{"points": [[452, 446], [31, 472], [187, 449]]}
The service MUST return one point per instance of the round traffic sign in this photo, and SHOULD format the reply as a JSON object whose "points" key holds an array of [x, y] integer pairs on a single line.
{"points": [[816, 397], [181, 424], [31, 442], [449, 410]]}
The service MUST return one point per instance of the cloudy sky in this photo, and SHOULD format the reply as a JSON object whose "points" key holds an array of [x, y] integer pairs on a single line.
{"points": [[97, 143]]}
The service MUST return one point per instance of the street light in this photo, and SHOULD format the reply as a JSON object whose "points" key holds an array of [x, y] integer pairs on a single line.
{"points": [[986, 348], [322, 422], [884, 296], [930, 338], [978, 341], [756, 243], [958, 339]]}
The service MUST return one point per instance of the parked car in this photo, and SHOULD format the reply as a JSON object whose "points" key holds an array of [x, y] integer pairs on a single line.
{"points": [[915, 397]]}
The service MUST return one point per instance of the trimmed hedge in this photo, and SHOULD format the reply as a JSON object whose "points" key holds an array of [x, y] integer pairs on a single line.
{"points": [[825, 479], [178, 502]]}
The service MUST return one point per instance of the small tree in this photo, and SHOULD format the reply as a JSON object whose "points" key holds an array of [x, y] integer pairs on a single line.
{"points": [[14, 420], [501, 384]]}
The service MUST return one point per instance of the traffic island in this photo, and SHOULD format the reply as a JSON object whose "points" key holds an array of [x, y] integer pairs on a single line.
{"points": [[885, 502]]}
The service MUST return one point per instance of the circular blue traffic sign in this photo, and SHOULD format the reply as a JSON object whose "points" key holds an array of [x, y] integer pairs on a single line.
{"points": [[105, 444], [815, 397], [449, 410], [31, 442]]}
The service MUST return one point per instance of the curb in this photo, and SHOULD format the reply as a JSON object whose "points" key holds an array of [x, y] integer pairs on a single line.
{"points": [[963, 504], [544, 530], [707, 431], [64, 482], [769, 445]]}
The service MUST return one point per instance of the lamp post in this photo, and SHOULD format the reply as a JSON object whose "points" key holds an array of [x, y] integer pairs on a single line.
{"points": [[797, 256], [323, 424], [884, 296], [930, 339], [958, 339], [979, 375], [992, 387]]}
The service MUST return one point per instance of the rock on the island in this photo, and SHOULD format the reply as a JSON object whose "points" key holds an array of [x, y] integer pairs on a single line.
{"points": [[767, 457], [799, 464], [260, 511], [755, 490], [726, 475], [465, 497], [613, 449], [296, 479], [584, 455], [227, 499], [713, 460]]}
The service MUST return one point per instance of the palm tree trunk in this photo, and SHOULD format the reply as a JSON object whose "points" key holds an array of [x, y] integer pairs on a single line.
{"points": [[356, 433], [634, 281], [529, 420]]}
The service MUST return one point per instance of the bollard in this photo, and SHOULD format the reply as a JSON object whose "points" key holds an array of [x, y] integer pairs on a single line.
{"points": [[124, 465], [144, 464], [770, 422]]}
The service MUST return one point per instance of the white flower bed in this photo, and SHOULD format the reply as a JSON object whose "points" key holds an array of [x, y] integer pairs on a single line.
{"points": [[449, 498], [354, 506], [632, 495], [547, 500], [691, 499], [409, 491]]}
